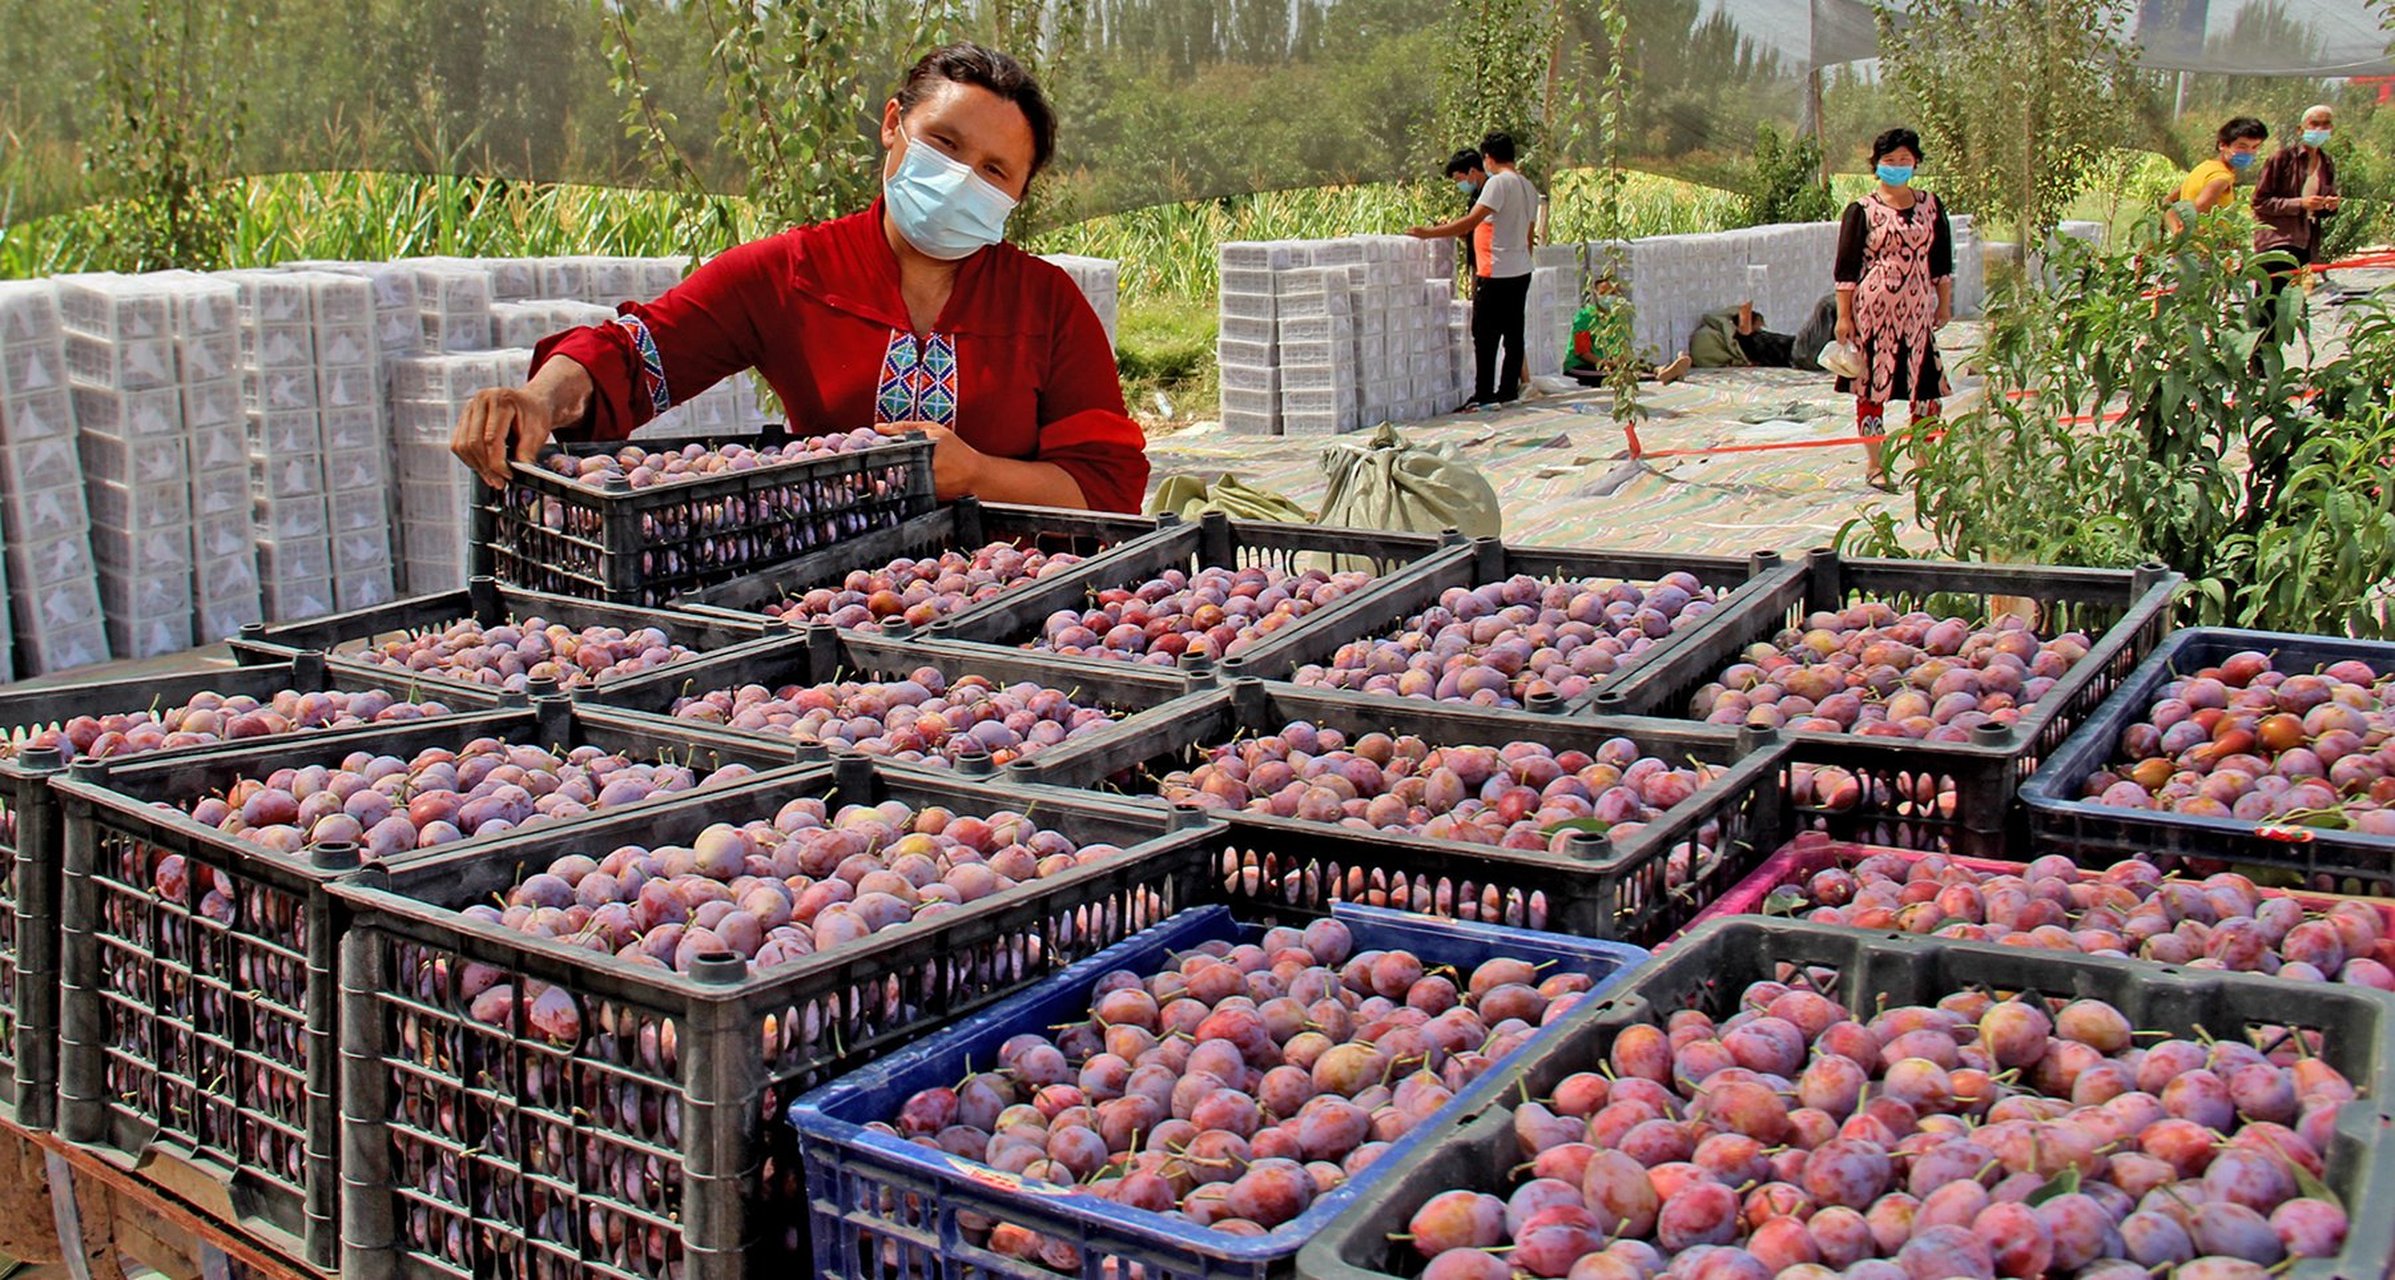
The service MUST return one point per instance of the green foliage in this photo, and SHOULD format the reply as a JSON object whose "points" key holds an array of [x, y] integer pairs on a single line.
{"points": [[2122, 425], [1784, 183], [169, 136], [1613, 114], [2015, 99], [2365, 177], [1496, 70]]}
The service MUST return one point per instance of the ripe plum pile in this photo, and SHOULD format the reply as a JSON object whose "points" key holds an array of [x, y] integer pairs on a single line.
{"points": [[922, 719], [920, 592], [511, 655], [1213, 613]]}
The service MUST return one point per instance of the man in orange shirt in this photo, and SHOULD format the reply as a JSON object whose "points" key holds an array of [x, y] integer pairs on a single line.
{"points": [[1465, 171]]}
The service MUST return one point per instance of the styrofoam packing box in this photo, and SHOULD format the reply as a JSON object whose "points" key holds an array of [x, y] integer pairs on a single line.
{"points": [[227, 579], [278, 346], [397, 333], [267, 298], [364, 590], [292, 601], [449, 379], [42, 416], [60, 645], [301, 517], [1261, 255], [279, 390], [37, 514], [37, 465], [47, 562], [220, 493], [427, 464], [514, 279], [351, 472], [211, 404], [103, 304], [346, 345], [358, 428], [220, 620], [124, 364], [286, 476], [140, 460], [352, 388], [138, 506], [443, 331], [359, 512], [1254, 355], [563, 278], [30, 369], [146, 590], [28, 312], [142, 552], [207, 357], [1311, 424], [282, 561], [362, 552], [1256, 402], [1249, 306], [1254, 330], [619, 280], [1246, 378], [437, 540], [220, 537], [275, 434]]}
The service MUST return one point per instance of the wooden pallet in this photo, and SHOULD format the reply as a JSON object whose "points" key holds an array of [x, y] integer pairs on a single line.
{"points": [[62, 1204]]}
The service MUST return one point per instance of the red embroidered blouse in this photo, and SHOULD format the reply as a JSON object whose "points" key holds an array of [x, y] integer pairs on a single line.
{"points": [[1017, 363]]}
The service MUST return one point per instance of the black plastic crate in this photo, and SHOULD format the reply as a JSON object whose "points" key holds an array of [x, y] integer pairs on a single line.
{"points": [[2061, 821], [1712, 966], [821, 654], [31, 841], [1404, 596], [1213, 541], [473, 1150], [1953, 797], [191, 1042], [965, 525], [1620, 890], [645, 546], [344, 637]]}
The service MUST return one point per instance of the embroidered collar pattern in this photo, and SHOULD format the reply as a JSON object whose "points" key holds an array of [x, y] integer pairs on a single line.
{"points": [[918, 380]]}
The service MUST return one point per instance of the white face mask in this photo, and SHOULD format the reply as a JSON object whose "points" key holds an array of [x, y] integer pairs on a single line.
{"points": [[944, 209]]}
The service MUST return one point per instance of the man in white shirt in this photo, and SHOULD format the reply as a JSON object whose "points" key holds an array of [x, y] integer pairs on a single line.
{"points": [[1500, 224]]}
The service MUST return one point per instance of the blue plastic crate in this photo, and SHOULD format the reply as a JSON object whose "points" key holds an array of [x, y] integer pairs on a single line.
{"points": [[2061, 821], [853, 1173]]}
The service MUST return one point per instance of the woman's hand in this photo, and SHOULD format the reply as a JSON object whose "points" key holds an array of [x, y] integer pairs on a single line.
{"points": [[500, 423], [1944, 316], [1845, 331], [956, 467], [2316, 203]]}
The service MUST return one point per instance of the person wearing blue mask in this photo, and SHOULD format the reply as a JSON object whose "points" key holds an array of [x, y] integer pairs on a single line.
{"points": [[2295, 194], [1895, 282], [2238, 148], [912, 316], [1466, 171]]}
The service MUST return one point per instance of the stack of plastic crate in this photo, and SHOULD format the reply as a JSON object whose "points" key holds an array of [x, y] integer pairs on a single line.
{"points": [[357, 472], [1247, 349], [52, 587], [436, 492], [224, 574], [1099, 281], [136, 456]]}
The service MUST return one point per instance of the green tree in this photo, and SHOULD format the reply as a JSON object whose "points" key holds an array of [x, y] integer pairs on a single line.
{"points": [[2123, 423], [1496, 74], [1784, 182], [2016, 99], [166, 144]]}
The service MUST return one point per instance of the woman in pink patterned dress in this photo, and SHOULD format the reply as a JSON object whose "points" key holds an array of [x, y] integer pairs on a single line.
{"points": [[1895, 275]]}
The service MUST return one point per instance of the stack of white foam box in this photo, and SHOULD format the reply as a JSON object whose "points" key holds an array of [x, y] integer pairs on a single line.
{"points": [[436, 492], [1247, 346], [1548, 313], [732, 407], [1970, 269], [1403, 302], [523, 324], [1099, 280], [453, 303], [290, 509], [1317, 342], [357, 471], [136, 456], [224, 575], [52, 586]]}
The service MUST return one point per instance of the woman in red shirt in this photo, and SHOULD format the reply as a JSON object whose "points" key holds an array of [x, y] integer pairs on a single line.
{"points": [[912, 316]]}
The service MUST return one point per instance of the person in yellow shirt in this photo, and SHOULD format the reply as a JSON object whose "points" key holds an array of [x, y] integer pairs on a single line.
{"points": [[2208, 185]]}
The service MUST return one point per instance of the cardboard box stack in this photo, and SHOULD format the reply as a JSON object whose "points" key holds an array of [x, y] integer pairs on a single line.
{"points": [[53, 589]]}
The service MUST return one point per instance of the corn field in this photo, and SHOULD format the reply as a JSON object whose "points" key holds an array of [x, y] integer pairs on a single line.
{"points": [[1167, 252]]}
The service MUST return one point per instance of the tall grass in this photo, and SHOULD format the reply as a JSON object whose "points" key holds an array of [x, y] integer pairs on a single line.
{"points": [[1167, 251]]}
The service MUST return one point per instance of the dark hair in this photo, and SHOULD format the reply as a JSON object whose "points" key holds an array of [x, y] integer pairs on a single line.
{"points": [[2242, 127], [1464, 161], [1498, 146], [973, 64], [1896, 139]]}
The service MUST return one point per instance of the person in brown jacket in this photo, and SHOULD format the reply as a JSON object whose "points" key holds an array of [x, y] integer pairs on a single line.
{"points": [[2297, 190]]}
